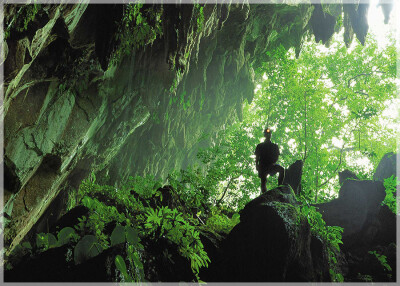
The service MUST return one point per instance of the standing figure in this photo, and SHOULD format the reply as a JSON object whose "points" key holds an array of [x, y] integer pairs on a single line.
{"points": [[267, 154]]}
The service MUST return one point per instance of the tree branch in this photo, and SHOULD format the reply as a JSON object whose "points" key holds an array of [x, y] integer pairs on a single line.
{"points": [[305, 126], [362, 74], [226, 189], [337, 168]]}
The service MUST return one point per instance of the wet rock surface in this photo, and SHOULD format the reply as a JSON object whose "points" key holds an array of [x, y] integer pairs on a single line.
{"points": [[269, 244]]}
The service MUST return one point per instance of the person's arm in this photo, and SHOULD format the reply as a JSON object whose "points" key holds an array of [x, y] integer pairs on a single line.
{"points": [[257, 159], [275, 153]]}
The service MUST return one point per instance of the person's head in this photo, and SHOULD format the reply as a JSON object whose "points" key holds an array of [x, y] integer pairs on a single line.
{"points": [[267, 133]]}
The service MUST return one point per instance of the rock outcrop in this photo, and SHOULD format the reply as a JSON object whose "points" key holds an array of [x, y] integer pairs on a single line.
{"points": [[293, 176], [386, 167], [368, 225], [272, 243]]}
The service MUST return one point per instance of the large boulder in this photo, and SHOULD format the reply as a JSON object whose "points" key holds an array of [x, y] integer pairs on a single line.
{"points": [[293, 176], [345, 175], [368, 226], [358, 203], [272, 243], [386, 167]]}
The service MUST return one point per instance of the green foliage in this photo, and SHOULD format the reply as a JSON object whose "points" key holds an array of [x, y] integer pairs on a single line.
{"points": [[107, 204], [325, 107], [100, 215], [199, 11], [19, 23], [164, 222], [332, 235], [45, 241], [390, 200], [86, 248], [139, 27], [190, 187], [118, 235], [229, 168], [66, 235], [121, 266], [221, 223], [133, 248], [382, 260], [144, 186], [364, 278]]}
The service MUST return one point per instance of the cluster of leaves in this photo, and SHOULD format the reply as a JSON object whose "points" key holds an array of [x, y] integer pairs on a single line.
{"points": [[229, 168], [108, 204], [220, 222], [199, 10], [134, 249], [139, 27], [391, 184], [21, 19], [382, 260], [171, 224], [192, 188], [44, 241], [330, 234], [192, 212]]}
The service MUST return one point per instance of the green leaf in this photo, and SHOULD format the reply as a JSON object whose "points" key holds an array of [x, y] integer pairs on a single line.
{"points": [[46, 240], [121, 266], [65, 235], [132, 236], [136, 260], [86, 248], [118, 235], [27, 245], [52, 240]]}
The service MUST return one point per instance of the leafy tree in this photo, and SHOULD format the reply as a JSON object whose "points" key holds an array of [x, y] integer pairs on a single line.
{"points": [[325, 108]]}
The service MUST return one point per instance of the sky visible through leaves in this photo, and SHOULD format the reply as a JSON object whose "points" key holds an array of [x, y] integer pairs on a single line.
{"points": [[364, 161]]}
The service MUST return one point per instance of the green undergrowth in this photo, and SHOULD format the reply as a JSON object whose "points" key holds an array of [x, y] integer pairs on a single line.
{"points": [[330, 235], [391, 184], [155, 215], [140, 213], [138, 27]]}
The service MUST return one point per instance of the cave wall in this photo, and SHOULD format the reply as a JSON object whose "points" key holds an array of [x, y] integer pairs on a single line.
{"points": [[70, 110]]}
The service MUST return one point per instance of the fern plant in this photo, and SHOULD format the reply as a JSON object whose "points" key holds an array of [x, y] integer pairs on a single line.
{"points": [[390, 200], [170, 223]]}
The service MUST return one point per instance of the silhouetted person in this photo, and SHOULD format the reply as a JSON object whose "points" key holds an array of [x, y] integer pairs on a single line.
{"points": [[267, 153]]}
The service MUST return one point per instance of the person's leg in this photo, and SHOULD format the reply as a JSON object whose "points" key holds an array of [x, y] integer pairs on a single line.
{"points": [[279, 169], [263, 178]]}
